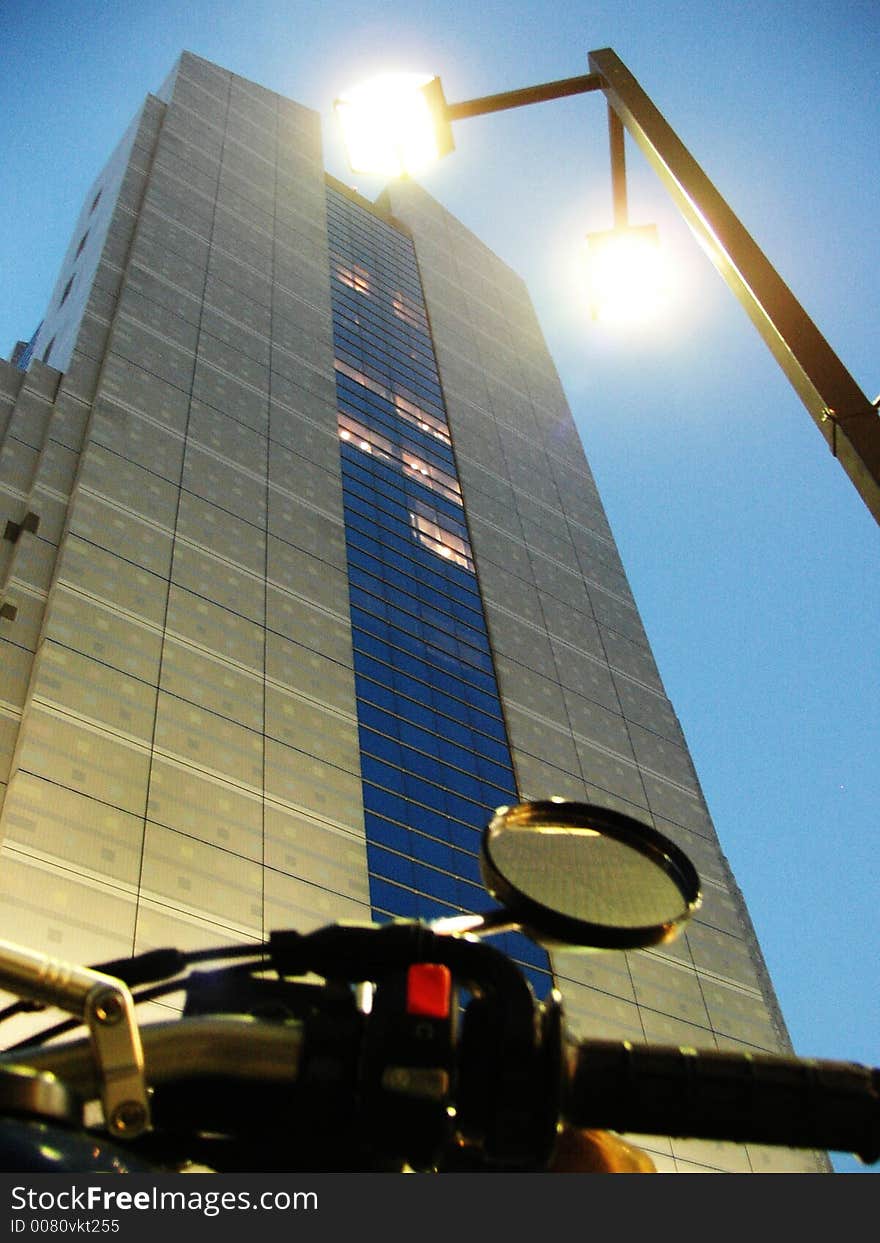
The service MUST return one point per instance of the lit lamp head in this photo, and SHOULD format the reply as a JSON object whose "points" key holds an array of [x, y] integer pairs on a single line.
{"points": [[626, 274], [395, 125]]}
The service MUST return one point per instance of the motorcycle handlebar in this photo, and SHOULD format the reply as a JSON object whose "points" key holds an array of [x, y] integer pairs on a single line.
{"points": [[609, 1085], [239, 1048], [737, 1096]]}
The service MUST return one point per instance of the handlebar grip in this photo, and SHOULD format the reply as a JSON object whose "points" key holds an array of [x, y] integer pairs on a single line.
{"points": [[743, 1097]]}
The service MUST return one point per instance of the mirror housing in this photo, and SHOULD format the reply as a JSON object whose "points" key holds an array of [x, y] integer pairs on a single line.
{"points": [[577, 875]]}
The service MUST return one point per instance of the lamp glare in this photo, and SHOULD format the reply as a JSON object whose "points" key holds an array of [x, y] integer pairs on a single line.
{"points": [[627, 275], [388, 126]]}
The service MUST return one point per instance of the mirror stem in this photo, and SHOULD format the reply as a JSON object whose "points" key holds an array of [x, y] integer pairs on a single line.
{"points": [[489, 924]]}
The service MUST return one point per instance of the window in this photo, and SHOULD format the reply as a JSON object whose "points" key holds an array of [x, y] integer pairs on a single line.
{"points": [[96, 200], [364, 438], [81, 246], [407, 310], [67, 289], [443, 543], [406, 409], [424, 421], [431, 476], [354, 276]]}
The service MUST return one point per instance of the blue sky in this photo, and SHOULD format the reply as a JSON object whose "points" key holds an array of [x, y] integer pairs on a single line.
{"points": [[753, 560]]}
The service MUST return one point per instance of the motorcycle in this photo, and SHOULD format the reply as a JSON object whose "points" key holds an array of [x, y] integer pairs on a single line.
{"points": [[402, 1046]]}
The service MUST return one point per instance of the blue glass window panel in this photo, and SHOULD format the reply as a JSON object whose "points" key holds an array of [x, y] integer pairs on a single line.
{"points": [[433, 573], [371, 561], [495, 776], [464, 735], [364, 600], [430, 769], [387, 833], [371, 323], [391, 866], [464, 836], [382, 774], [397, 530], [423, 740], [426, 820], [387, 481], [376, 480], [428, 683], [477, 815], [392, 517], [394, 514], [350, 389], [411, 711], [360, 329], [425, 879], [378, 372], [399, 547], [541, 981], [410, 656], [386, 803], [386, 369], [403, 433], [402, 903], [372, 647], [394, 805], [384, 348], [446, 888], [441, 855], [364, 404], [403, 552], [432, 604], [397, 900], [380, 746], [351, 302], [433, 743], [449, 859], [369, 691], [500, 776], [421, 790], [409, 380], [521, 948], [432, 821], [406, 610]]}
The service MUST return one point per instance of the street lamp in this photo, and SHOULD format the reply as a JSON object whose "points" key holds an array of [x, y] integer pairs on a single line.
{"points": [[394, 125], [846, 418]]}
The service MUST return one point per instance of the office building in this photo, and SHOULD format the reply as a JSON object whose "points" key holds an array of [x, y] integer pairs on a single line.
{"points": [[304, 572]]}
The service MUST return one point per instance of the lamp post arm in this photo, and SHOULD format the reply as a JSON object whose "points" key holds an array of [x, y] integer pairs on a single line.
{"points": [[618, 169], [849, 422], [525, 95]]}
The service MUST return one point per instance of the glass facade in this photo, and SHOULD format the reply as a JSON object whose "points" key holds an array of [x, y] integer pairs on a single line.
{"points": [[435, 759]]}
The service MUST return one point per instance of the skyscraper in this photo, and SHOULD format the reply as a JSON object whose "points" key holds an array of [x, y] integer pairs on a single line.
{"points": [[304, 572]]}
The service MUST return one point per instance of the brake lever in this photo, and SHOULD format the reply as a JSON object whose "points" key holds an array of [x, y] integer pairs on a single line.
{"points": [[105, 1006]]}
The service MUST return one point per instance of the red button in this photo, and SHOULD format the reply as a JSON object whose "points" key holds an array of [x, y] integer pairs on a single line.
{"points": [[428, 990]]}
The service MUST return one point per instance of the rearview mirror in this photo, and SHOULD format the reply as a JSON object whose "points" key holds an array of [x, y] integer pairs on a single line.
{"points": [[579, 875]]}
